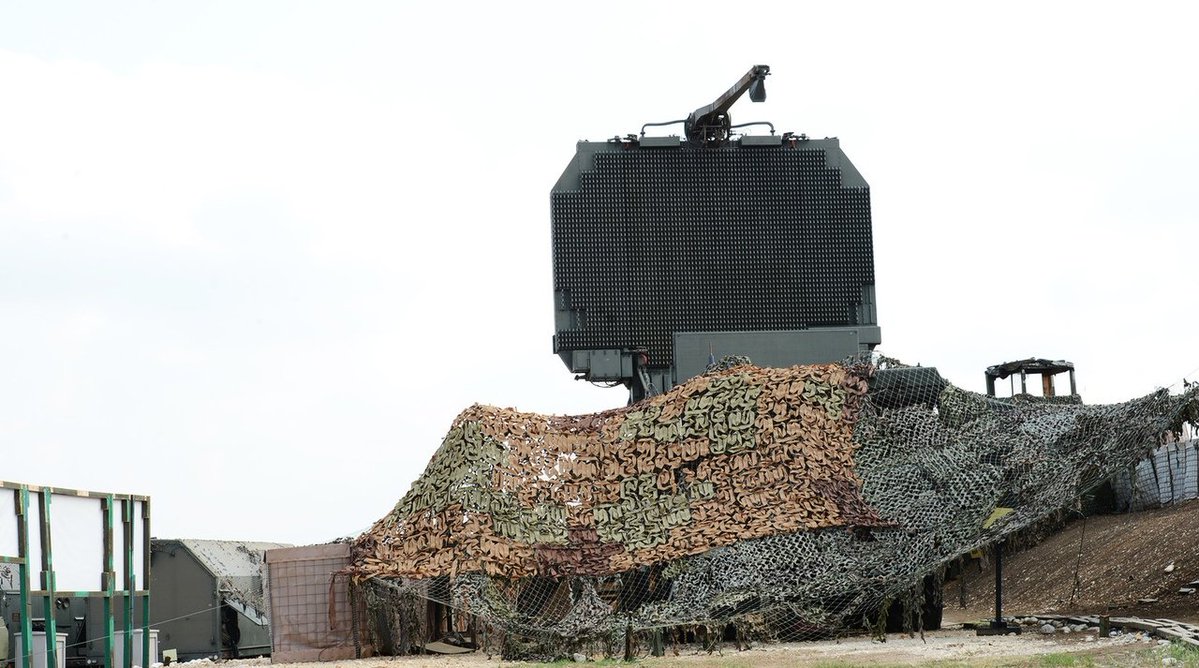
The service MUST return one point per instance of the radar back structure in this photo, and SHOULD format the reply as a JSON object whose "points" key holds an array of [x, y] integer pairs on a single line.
{"points": [[1047, 369], [670, 252]]}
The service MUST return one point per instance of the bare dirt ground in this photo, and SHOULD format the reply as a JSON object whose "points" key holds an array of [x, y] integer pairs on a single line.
{"points": [[951, 647], [1119, 560]]}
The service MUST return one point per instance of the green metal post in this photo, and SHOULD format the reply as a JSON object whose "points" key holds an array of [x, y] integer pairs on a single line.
{"points": [[22, 495], [108, 584], [146, 658], [44, 495], [130, 579]]}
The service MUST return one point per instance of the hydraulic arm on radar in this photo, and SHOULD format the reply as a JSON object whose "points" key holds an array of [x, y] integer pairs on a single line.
{"points": [[710, 125]]}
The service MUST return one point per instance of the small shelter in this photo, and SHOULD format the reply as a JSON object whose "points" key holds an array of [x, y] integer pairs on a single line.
{"points": [[210, 600]]}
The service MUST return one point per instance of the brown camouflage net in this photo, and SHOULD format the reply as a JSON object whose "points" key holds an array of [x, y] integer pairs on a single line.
{"points": [[743, 453]]}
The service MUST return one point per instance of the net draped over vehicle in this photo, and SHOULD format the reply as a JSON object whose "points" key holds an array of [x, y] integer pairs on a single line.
{"points": [[783, 499]]}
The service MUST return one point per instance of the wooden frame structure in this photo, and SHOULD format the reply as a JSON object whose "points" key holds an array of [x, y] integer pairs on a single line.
{"points": [[116, 567]]}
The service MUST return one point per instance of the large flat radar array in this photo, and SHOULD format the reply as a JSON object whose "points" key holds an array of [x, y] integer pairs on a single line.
{"points": [[653, 241]]}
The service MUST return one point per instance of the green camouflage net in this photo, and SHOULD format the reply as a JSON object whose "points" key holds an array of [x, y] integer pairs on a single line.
{"points": [[772, 503]]}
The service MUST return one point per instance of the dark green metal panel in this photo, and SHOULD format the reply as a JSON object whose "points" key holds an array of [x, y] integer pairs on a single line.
{"points": [[187, 605]]}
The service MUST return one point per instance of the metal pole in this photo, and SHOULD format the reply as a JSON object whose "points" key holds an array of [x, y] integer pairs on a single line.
{"points": [[998, 626], [48, 587], [130, 584], [999, 585], [109, 584], [23, 551], [147, 660]]}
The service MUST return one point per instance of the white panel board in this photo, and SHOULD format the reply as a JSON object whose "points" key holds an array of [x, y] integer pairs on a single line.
{"points": [[77, 535], [35, 540], [8, 524], [118, 543], [139, 567], [139, 554]]}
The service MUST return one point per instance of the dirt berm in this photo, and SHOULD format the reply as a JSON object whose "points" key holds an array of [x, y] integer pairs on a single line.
{"points": [[1131, 564]]}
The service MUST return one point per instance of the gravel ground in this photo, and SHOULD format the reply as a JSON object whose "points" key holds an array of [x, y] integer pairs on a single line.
{"points": [[952, 647]]}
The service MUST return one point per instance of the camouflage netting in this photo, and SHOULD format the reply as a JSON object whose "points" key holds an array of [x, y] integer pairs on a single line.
{"points": [[785, 501]]}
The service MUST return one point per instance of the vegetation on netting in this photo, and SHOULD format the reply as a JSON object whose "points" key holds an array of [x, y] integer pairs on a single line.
{"points": [[746, 504]]}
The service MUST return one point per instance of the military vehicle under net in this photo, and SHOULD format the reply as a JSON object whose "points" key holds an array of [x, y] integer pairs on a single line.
{"points": [[784, 503]]}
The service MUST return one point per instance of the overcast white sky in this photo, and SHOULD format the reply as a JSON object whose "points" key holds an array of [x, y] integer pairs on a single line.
{"points": [[256, 256]]}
